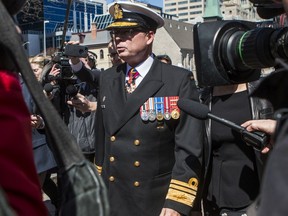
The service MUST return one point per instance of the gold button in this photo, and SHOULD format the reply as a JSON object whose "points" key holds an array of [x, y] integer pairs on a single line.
{"points": [[137, 142], [112, 138], [136, 163], [111, 178], [112, 159], [136, 184]]}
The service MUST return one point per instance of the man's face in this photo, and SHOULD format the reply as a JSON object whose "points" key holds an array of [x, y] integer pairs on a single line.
{"points": [[113, 55], [133, 45]]}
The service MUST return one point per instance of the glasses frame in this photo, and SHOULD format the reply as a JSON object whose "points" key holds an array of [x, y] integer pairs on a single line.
{"points": [[126, 33]]}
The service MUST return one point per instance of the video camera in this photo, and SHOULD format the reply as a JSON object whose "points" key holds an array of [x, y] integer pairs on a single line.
{"points": [[228, 52], [61, 59]]}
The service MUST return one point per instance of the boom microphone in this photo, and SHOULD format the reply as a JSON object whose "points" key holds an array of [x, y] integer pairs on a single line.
{"points": [[200, 111]]}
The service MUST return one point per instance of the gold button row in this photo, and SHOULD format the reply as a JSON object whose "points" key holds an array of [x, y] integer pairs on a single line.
{"points": [[136, 163], [136, 142], [112, 179]]}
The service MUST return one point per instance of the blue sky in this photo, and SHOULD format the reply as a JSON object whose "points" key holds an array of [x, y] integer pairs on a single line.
{"points": [[158, 3]]}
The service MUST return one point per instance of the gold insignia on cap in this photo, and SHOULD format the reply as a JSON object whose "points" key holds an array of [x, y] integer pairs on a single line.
{"points": [[118, 12]]}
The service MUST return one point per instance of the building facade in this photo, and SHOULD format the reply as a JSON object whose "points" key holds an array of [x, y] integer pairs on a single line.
{"points": [[47, 18], [188, 10]]}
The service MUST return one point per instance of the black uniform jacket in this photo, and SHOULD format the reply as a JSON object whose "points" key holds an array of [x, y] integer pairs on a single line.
{"points": [[147, 165]]}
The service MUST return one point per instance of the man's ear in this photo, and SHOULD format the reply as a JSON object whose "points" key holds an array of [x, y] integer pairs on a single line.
{"points": [[151, 36]]}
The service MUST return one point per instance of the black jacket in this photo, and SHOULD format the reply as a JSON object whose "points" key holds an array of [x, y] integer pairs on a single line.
{"points": [[260, 108], [147, 167]]}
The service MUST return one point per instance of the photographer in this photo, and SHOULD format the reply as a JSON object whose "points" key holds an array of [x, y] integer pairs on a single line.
{"points": [[80, 124]]}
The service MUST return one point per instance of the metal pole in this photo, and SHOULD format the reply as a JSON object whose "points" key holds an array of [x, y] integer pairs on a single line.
{"points": [[44, 38]]}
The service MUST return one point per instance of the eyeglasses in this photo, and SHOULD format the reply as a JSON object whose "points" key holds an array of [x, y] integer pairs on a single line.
{"points": [[125, 33]]}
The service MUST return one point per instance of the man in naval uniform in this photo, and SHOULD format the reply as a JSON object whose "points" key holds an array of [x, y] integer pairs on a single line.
{"points": [[148, 152]]}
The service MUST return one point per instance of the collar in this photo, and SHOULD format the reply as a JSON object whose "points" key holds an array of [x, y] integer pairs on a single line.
{"points": [[142, 68]]}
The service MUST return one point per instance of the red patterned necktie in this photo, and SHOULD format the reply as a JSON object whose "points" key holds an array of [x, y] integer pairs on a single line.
{"points": [[133, 74]]}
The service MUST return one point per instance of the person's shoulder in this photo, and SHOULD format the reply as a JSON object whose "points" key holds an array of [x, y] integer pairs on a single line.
{"points": [[175, 68], [176, 71], [114, 70]]}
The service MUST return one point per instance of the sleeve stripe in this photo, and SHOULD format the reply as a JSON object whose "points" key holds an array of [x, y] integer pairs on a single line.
{"points": [[184, 198], [183, 189], [184, 184]]}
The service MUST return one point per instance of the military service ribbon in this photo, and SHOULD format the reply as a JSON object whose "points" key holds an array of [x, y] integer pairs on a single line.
{"points": [[167, 115], [152, 112], [144, 111], [159, 107], [175, 111]]}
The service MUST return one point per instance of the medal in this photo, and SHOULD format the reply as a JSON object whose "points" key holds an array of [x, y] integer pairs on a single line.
{"points": [[175, 113], [167, 115], [144, 116], [159, 107], [159, 116], [143, 111], [152, 113]]}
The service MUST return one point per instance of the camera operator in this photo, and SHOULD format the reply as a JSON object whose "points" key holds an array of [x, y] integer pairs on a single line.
{"points": [[80, 124]]}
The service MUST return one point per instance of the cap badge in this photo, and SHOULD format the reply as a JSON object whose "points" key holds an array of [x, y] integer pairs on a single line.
{"points": [[118, 12]]}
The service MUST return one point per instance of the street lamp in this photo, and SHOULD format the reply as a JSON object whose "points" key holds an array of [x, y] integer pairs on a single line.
{"points": [[25, 43], [44, 37]]}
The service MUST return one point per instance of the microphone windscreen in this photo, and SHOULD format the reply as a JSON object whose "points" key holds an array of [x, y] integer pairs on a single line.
{"points": [[268, 13], [71, 90], [193, 108], [48, 87]]}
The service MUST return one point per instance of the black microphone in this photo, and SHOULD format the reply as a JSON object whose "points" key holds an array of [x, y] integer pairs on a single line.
{"points": [[71, 90], [48, 88], [200, 111]]}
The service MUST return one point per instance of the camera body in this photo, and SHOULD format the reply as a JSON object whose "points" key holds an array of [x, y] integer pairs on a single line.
{"points": [[209, 46], [61, 59], [62, 63], [231, 52], [76, 50]]}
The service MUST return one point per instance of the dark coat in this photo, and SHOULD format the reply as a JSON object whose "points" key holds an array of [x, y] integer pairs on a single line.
{"points": [[82, 125], [43, 156], [139, 159], [260, 109]]}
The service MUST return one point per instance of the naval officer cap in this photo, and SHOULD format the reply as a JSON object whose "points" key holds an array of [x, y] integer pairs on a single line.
{"points": [[133, 15]]}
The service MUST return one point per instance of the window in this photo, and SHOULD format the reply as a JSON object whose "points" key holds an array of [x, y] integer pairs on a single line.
{"points": [[101, 54]]}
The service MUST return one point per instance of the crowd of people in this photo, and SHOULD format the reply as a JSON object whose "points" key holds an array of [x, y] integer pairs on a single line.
{"points": [[155, 159]]}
